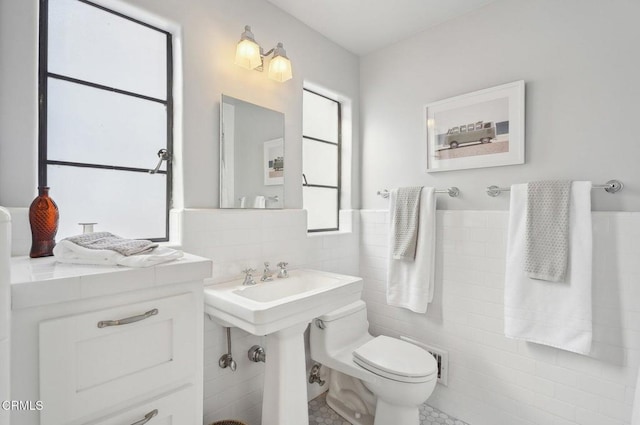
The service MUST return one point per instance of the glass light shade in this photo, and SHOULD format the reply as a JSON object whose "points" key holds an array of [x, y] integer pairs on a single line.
{"points": [[248, 54], [280, 69]]}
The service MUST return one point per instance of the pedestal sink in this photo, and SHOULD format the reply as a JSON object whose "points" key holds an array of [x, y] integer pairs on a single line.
{"points": [[281, 309]]}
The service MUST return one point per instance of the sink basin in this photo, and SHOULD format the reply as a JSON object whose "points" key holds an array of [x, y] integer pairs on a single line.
{"points": [[268, 307], [281, 310], [296, 284]]}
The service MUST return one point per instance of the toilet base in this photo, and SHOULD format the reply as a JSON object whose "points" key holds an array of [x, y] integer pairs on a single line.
{"points": [[355, 418], [394, 414], [350, 398]]}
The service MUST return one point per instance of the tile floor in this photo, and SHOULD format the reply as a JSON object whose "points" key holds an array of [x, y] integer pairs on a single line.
{"points": [[320, 413]]}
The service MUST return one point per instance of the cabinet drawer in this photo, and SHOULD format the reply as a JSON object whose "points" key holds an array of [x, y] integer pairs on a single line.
{"points": [[93, 361], [177, 408]]}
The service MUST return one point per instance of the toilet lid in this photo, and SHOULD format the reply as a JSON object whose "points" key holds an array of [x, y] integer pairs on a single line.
{"points": [[396, 359]]}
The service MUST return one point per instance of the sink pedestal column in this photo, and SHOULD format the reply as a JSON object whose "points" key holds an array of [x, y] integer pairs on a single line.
{"points": [[285, 386]]}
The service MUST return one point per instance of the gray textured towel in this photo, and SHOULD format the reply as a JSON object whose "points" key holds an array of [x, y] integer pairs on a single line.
{"points": [[109, 241], [405, 223], [547, 248]]}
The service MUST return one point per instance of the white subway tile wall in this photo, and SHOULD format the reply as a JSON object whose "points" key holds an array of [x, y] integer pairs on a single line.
{"points": [[493, 380], [235, 239], [496, 380]]}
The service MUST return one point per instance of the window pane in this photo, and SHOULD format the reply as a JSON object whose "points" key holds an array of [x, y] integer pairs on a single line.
{"points": [[91, 44], [96, 126], [320, 162], [322, 207], [320, 117], [128, 204]]}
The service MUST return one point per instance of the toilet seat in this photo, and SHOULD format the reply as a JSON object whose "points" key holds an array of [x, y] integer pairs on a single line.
{"points": [[397, 360]]}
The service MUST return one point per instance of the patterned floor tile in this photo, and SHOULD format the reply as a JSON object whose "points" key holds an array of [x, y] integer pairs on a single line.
{"points": [[321, 414]]}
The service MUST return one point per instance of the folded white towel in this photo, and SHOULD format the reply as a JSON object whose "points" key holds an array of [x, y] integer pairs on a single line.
{"points": [[68, 252], [109, 241], [260, 202], [557, 314], [410, 283], [159, 255]]}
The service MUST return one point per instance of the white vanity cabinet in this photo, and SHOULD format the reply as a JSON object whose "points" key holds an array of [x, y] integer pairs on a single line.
{"points": [[108, 345], [87, 366], [171, 409]]}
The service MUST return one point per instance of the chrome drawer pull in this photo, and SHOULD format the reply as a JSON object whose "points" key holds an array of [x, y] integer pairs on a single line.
{"points": [[132, 319], [147, 417]]}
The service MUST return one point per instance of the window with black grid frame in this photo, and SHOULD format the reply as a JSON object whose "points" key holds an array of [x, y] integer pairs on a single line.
{"points": [[106, 114], [321, 144]]}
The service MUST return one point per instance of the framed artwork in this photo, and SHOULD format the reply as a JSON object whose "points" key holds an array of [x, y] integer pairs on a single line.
{"points": [[274, 162], [481, 129]]}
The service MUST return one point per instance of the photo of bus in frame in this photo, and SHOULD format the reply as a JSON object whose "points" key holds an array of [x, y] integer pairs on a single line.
{"points": [[480, 132]]}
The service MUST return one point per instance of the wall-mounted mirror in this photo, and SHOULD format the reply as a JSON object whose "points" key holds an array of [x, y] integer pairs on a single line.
{"points": [[251, 155]]}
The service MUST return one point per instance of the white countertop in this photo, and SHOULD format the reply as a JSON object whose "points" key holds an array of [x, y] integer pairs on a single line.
{"points": [[42, 281]]}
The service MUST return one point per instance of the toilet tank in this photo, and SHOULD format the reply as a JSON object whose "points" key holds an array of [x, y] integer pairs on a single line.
{"points": [[338, 330], [5, 309]]}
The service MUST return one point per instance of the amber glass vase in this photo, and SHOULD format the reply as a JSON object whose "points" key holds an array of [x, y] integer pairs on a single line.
{"points": [[43, 217]]}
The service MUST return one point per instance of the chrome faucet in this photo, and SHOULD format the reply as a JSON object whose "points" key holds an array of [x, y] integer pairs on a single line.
{"points": [[267, 274], [248, 278], [283, 273]]}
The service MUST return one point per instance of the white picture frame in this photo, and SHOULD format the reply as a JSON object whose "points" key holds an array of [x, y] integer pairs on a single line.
{"points": [[481, 129]]}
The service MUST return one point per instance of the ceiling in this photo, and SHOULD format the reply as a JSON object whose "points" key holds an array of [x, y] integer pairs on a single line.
{"points": [[363, 26]]}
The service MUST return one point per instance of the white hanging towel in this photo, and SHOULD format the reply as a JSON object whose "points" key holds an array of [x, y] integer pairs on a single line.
{"points": [[635, 420], [410, 283], [557, 314]]}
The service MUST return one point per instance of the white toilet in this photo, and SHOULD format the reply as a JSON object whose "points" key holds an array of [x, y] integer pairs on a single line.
{"points": [[371, 376]]}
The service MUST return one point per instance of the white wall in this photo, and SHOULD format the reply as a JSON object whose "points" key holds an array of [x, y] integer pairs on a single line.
{"points": [[206, 41], [496, 380], [581, 89], [210, 30], [578, 60]]}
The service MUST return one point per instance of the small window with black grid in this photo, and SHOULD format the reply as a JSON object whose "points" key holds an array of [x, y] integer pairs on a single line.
{"points": [[321, 137]]}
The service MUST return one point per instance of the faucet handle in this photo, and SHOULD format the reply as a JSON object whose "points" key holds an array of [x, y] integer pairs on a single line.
{"points": [[267, 273], [282, 273], [248, 278]]}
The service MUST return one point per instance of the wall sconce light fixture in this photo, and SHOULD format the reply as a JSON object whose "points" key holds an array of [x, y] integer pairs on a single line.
{"points": [[250, 55]]}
